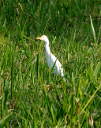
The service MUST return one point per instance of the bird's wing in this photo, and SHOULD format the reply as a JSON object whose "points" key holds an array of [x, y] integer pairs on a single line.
{"points": [[57, 65], [59, 68]]}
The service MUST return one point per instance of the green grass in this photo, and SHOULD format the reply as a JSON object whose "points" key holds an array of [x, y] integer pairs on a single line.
{"points": [[30, 95]]}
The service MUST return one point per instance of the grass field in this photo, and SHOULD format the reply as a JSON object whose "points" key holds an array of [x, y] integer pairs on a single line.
{"points": [[31, 96]]}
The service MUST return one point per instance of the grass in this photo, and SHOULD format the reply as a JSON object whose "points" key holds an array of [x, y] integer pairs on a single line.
{"points": [[30, 95]]}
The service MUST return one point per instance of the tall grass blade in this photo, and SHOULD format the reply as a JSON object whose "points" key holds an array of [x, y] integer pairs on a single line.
{"points": [[91, 98], [6, 120], [93, 30], [37, 66]]}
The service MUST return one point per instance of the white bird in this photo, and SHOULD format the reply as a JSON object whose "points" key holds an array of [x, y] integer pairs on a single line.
{"points": [[52, 61]]}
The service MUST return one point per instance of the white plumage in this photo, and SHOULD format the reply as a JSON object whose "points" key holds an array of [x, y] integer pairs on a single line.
{"points": [[52, 61]]}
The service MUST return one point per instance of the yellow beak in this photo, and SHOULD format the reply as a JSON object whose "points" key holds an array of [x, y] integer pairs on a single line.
{"points": [[38, 38]]}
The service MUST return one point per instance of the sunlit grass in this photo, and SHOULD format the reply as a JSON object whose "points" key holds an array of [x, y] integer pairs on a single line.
{"points": [[37, 98], [30, 94]]}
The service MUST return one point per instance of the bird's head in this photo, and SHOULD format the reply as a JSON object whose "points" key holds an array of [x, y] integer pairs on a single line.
{"points": [[43, 38]]}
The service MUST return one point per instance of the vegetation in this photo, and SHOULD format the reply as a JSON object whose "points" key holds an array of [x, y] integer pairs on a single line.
{"points": [[30, 95]]}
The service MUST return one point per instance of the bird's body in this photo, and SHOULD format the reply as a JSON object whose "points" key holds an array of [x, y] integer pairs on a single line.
{"points": [[52, 61]]}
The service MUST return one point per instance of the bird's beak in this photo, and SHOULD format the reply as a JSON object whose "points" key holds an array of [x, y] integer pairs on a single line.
{"points": [[38, 38]]}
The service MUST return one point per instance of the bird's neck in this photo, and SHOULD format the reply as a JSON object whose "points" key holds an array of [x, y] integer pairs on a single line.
{"points": [[47, 49]]}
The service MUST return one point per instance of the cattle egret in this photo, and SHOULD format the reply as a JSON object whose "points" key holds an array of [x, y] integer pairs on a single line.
{"points": [[52, 61]]}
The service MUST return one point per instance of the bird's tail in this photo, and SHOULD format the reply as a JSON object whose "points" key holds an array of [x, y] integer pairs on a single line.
{"points": [[65, 80], [63, 76]]}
